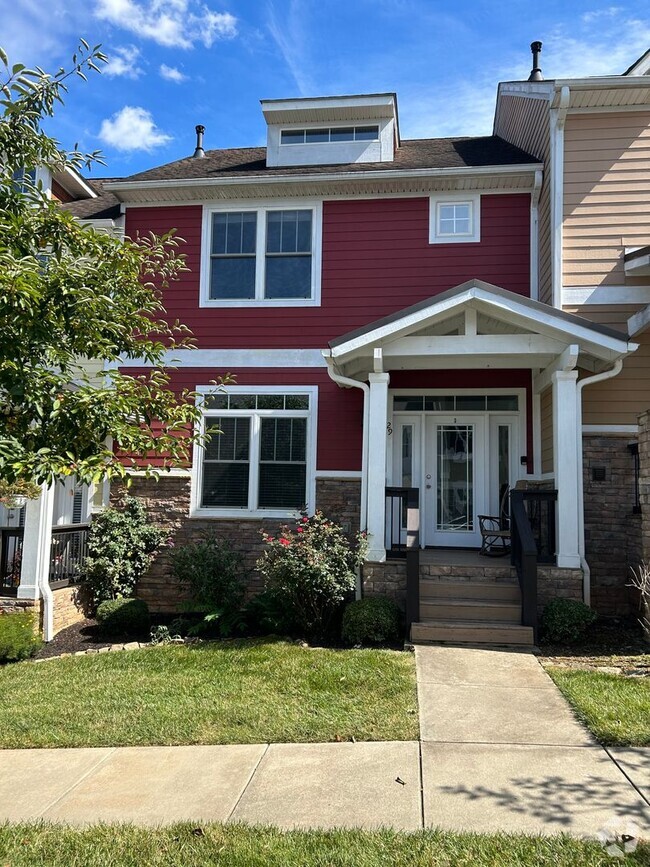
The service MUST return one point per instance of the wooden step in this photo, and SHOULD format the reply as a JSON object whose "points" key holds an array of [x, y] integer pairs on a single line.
{"points": [[470, 609], [472, 632], [503, 591]]}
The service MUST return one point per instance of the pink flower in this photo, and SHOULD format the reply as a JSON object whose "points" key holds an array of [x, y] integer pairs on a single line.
{"points": [[269, 538], [305, 519], [299, 530], [284, 542]]}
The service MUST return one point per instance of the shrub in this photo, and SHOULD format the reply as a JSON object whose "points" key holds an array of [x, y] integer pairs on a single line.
{"points": [[121, 546], [18, 638], [375, 620], [214, 575], [311, 570], [123, 617], [565, 620]]}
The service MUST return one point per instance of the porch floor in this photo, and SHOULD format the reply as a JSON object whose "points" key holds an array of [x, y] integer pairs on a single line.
{"points": [[458, 557]]}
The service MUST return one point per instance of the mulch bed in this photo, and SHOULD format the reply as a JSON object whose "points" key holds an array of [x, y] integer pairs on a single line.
{"points": [[81, 636], [611, 647]]}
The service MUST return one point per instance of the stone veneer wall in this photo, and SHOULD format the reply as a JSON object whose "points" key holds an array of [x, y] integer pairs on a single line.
{"points": [[644, 485], [612, 531], [68, 609], [168, 503]]}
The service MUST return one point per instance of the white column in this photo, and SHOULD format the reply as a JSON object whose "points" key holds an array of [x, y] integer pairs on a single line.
{"points": [[377, 418], [566, 430], [37, 543]]}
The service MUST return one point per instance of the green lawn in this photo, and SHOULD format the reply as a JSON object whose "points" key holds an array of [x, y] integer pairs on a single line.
{"points": [[615, 708], [218, 693], [238, 846]]}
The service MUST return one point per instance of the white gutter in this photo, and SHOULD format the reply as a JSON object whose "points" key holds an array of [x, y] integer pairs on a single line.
{"points": [[534, 235], [558, 119], [346, 382], [586, 572], [377, 174]]}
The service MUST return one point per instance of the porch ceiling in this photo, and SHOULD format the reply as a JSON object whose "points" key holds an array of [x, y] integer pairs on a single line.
{"points": [[477, 325]]}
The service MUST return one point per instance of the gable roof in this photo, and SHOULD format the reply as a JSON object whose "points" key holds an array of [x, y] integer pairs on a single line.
{"points": [[431, 153], [105, 205]]}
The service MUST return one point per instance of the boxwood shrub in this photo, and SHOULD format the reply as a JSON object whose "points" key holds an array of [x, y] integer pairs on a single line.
{"points": [[375, 620], [566, 620], [124, 617], [18, 637]]}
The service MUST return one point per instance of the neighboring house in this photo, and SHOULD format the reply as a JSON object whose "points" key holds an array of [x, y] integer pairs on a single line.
{"points": [[447, 315]]}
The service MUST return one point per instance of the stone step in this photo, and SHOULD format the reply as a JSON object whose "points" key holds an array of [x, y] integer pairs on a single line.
{"points": [[490, 571], [471, 632], [503, 591], [470, 609]]}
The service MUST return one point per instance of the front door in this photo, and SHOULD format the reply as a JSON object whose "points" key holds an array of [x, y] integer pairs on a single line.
{"points": [[455, 483]]}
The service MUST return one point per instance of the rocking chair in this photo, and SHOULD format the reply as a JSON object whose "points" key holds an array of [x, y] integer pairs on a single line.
{"points": [[495, 530]]}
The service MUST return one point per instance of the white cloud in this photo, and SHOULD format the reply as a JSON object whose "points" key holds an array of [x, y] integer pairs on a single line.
{"points": [[123, 62], [172, 23], [290, 37], [132, 129], [170, 73]]}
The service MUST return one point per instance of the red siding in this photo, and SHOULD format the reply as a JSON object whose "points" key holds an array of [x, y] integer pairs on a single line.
{"points": [[376, 259], [340, 411]]}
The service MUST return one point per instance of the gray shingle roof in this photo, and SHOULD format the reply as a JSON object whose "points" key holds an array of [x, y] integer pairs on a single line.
{"points": [[105, 207], [412, 154]]}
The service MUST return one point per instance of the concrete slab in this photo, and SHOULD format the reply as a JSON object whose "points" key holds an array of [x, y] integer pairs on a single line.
{"points": [[527, 789], [158, 785], [473, 665], [335, 785], [497, 715], [635, 762], [32, 780]]}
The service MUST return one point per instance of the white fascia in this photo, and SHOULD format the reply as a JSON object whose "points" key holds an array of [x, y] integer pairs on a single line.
{"points": [[557, 122]]}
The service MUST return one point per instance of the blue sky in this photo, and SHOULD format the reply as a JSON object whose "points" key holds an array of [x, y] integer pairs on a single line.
{"points": [[176, 63]]}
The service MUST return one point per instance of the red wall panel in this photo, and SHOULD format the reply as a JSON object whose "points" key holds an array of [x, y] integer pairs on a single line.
{"points": [[376, 259]]}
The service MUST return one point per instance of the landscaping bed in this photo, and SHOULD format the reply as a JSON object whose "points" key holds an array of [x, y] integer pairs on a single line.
{"points": [[240, 846], [239, 691]]}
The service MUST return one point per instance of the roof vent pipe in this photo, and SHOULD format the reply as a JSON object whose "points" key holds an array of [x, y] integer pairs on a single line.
{"points": [[536, 72], [199, 153]]}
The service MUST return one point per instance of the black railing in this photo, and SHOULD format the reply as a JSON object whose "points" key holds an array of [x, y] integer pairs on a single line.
{"points": [[403, 541], [11, 555], [523, 554], [69, 550], [540, 509]]}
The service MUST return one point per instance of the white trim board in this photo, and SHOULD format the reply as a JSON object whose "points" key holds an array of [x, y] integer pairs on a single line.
{"points": [[576, 295], [232, 358], [338, 474]]}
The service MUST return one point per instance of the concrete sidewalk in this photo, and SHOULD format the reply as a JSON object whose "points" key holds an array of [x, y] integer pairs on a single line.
{"points": [[499, 750]]}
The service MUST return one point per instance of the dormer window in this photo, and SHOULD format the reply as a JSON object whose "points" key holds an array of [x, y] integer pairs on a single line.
{"points": [[324, 135]]}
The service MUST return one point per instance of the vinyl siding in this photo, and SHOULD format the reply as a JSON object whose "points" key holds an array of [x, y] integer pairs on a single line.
{"points": [[606, 195], [619, 400], [546, 412], [525, 122], [376, 260]]}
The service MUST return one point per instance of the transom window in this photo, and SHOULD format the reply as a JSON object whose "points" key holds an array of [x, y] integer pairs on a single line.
{"points": [[262, 255], [261, 460], [456, 403], [454, 220], [329, 134]]}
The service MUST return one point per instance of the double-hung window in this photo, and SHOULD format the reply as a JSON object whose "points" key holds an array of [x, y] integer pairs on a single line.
{"points": [[454, 219], [262, 255], [259, 457]]}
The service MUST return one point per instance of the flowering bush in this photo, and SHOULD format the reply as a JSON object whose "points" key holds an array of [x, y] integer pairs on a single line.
{"points": [[311, 571]]}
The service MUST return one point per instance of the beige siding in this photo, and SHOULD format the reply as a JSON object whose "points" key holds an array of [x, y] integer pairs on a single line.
{"points": [[546, 413], [619, 400], [524, 122], [606, 195]]}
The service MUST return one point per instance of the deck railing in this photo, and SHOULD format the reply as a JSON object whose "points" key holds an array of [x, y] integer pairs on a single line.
{"points": [[11, 555], [69, 550], [403, 541]]}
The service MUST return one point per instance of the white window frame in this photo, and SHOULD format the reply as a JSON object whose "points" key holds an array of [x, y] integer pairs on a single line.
{"points": [[311, 414], [261, 207], [329, 129], [438, 237]]}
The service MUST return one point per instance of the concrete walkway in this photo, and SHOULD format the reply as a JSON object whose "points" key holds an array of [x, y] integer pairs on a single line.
{"points": [[499, 750]]}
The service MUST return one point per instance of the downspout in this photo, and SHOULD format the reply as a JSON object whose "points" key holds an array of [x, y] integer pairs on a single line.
{"points": [[558, 120], [534, 236], [43, 562], [586, 572], [346, 382]]}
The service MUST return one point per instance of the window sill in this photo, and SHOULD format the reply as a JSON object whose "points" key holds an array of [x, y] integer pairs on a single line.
{"points": [[246, 514], [261, 302]]}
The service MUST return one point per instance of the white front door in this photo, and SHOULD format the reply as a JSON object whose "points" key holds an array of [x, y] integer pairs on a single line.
{"points": [[455, 479]]}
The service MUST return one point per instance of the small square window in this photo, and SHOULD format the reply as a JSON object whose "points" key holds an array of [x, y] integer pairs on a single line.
{"points": [[454, 220]]}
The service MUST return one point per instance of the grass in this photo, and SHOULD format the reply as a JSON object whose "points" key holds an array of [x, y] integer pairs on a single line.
{"points": [[249, 691], [239, 846], [616, 709]]}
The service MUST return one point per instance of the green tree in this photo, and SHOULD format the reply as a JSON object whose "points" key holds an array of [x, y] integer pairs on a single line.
{"points": [[69, 292]]}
